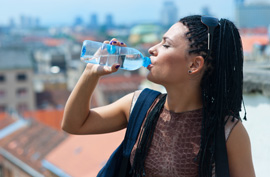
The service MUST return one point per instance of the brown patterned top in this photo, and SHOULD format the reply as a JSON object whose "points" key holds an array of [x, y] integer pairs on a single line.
{"points": [[175, 144]]}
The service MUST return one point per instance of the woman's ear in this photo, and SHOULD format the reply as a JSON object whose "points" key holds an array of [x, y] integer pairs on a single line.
{"points": [[196, 65]]}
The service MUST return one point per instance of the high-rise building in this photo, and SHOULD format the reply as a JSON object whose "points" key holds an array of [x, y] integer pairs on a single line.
{"points": [[93, 21], [206, 11], [11, 23], [37, 22], [252, 15], [78, 21], [23, 21], [109, 21], [239, 2], [169, 13]]}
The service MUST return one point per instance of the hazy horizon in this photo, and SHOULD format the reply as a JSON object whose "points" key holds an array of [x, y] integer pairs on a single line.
{"points": [[124, 12]]}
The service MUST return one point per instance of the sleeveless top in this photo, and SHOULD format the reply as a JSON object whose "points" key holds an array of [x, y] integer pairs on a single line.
{"points": [[176, 142]]}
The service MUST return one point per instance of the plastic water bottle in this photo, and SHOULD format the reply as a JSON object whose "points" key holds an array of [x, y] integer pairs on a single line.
{"points": [[106, 54]]}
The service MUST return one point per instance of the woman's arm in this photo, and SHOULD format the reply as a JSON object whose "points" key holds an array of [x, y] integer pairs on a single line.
{"points": [[78, 119], [239, 153]]}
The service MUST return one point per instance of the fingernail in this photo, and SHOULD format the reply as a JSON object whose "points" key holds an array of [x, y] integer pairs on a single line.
{"points": [[111, 42], [122, 43], [114, 42], [117, 66]]}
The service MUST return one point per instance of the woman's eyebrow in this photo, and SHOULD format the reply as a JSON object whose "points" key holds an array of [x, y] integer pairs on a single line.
{"points": [[165, 38]]}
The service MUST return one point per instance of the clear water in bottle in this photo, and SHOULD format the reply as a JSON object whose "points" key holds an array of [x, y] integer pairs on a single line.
{"points": [[106, 54]]}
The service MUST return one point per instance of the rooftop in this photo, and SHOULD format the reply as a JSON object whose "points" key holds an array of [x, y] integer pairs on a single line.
{"points": [[51, 118], [85, 155], [15, 59], [250, 40], [30, 144]]}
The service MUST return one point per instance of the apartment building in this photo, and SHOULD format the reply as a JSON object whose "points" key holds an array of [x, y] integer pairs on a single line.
{"points": [[16, 76]]}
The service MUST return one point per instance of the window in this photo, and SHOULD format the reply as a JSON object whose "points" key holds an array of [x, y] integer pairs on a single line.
{"points": [[1, 171], [21, 77], [22, 107], [2, 94], [21, 92], [2, 78], [2, 108]]}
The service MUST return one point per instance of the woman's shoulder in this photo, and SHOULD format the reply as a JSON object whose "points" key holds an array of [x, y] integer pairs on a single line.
{"points": [[239, 152], [136, 95], [230, 123]]}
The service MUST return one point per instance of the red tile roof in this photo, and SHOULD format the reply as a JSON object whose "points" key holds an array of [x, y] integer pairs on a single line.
{"points": [[3, 115], [84, 155], [32, 143], [256, 31], [51, 42], [51, 118], [5, 120], [118, 83], [249, 41], [81, 38]]}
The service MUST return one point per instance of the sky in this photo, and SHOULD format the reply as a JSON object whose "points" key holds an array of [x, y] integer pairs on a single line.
{"points": [[63, 12]]}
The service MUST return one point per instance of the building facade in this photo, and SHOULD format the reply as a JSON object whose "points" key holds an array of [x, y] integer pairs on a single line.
{"points": [[252, 15], [16, 86], [169, 13]]}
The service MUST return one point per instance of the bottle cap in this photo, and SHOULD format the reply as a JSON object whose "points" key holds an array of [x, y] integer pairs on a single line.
{"points": [[146, 61]]}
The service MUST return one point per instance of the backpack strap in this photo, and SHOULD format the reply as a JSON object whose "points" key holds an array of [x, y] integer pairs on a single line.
{"points": [[221, 158], [145, 100]]}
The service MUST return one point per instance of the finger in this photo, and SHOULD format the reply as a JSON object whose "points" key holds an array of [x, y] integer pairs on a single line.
{"points": [[114, 41], [111, 69], [115, 67], [123, 44], [106, 42]]}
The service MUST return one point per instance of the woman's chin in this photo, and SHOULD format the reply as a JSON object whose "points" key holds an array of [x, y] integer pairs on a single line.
{"points": [[151, 78]]}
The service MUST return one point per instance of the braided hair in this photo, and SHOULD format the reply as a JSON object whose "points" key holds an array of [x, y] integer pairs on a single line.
{"points": [[221, 87], [221, 83]]}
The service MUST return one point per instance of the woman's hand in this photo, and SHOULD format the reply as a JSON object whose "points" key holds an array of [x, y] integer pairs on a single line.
{"points": [[100, 70]]}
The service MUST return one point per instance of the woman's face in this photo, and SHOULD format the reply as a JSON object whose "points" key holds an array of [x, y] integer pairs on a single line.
{"points": [[170, 58]]}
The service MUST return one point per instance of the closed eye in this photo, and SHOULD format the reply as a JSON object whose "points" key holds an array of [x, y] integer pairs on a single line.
{"points": [[166, 46]]}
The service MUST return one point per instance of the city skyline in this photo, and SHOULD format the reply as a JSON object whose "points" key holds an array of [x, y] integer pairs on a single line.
{"points": [[124, 12]]}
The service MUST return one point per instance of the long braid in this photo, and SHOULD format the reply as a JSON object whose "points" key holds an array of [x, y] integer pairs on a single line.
{"points": [[221, 84], [145, 138]]}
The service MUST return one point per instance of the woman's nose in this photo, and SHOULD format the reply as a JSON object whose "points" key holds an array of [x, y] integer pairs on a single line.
{"points": [[152, 51]]}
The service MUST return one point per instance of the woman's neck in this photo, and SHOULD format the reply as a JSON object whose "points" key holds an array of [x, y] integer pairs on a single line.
{"points": [[183, 98]]}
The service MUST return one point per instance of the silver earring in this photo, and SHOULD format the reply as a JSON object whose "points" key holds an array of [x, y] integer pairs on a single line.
{"points": [[189, 71]]}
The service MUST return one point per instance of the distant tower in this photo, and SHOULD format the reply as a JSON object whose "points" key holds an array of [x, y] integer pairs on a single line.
{"points": [[252, 15], [109, 21], [37, 22], [29, 22], [268, 31], [206, 11], [93, 21], [239, 2], [23, 21], [11, 23], [78, 21], [169, 13]]}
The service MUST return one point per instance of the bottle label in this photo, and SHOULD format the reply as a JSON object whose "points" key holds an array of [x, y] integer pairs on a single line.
{"points": [[83, 51]]}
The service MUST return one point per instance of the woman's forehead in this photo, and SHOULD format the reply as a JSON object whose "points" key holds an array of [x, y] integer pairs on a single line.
{"points": [[178, 30]]}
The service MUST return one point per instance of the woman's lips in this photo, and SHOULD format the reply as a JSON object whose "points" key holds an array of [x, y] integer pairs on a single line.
{"points": [[149, 66]]}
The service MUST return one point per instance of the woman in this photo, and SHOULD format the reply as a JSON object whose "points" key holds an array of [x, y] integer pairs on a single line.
{"points": [[200, 63]]}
